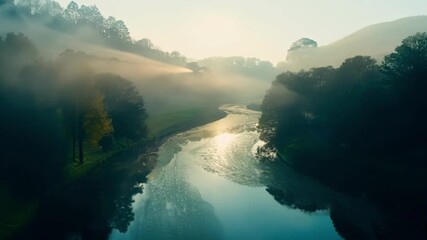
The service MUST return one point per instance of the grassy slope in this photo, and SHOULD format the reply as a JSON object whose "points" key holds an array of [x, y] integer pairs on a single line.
{"points": [[163, 125], [92, 159]]}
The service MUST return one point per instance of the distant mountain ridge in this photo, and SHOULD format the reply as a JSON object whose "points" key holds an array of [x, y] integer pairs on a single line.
{"points": [[376, 40]]}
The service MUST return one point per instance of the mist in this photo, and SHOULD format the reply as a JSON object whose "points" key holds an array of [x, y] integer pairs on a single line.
{"points": [[154, 79], [376, 40], [102, 132]]}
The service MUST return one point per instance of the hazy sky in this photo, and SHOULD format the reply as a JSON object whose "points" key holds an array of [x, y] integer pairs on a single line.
{"points": [[258, 28]]}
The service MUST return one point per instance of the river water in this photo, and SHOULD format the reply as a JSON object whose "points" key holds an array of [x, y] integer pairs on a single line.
{"points": [[209, 185]]}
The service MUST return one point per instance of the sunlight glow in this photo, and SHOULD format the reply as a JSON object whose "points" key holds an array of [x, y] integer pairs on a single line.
{"points": [[214, 33], [263, 29], [223, 140]]}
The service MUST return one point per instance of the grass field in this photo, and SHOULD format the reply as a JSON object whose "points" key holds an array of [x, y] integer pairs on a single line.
{"points": [[92, 159], [164, 124]]}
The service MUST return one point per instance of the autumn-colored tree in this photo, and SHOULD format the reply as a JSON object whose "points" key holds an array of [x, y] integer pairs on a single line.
{"points": [[96, 122]]}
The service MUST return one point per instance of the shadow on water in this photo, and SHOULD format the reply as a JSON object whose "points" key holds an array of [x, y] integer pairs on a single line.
{"points": [[372, 213], [170, 207], [353, 218], [185, 196], [93, 206]]}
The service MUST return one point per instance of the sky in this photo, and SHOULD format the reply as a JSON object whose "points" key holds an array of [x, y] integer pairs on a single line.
{"points": [[252, 28]]}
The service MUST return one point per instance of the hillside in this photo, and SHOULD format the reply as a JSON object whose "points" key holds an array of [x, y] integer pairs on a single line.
{"points": [[376, 40], [85, 23]]}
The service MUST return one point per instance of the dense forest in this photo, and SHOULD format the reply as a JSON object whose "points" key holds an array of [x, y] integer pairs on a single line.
{"points": [[359, 128], [74, 129], [89, 24], [58, 119], [87, 113]]}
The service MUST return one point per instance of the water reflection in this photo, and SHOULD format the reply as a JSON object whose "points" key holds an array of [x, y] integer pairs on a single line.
{"points": [[209, 185], [172, 209], [92, 207]]}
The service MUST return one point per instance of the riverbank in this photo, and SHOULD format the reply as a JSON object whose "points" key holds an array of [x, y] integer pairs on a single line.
{"points": [[162, 126], [143, 159], [103, 182], [209, 180]]}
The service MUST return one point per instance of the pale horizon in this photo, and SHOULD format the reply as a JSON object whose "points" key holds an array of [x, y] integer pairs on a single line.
{"points": [[248, 28]]}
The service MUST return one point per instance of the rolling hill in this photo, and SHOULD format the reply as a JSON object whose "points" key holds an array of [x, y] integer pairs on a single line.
{"points": [[376, 40]]}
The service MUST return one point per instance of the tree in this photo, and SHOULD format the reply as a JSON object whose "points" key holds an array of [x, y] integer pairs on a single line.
{"points": [[91, 14], [125, 105], [358, 66], [71, 13], [357, 130], [97, 123], [297, 50], [175, 54], [29, 118], [406, 71], [85, 111], [193, 66], [144, 43], [303, 43], [110, 30], [39, 8], [24, 52], [406, 67], [122, 30], [88, 117]]}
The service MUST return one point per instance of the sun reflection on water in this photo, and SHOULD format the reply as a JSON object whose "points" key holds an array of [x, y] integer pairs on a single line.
{"points": [[223, 141]]}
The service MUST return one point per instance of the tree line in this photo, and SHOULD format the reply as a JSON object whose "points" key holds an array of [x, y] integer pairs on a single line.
{"points": [[359, 128], [105, 30], [55, 111], [251, 67]]}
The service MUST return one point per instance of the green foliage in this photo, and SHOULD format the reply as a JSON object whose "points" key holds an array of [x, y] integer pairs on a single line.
{"points": [[296, 51], [125, 105], [74, 170], [50, 111], [361, 130], [28, 112], [357, 116], [303, 43], [96, 122], [104, 30], [409, 60], [161, 125]]}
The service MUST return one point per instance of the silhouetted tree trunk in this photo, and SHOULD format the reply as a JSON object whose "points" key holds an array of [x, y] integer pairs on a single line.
{"points": [[74, 133], [80, 132]]}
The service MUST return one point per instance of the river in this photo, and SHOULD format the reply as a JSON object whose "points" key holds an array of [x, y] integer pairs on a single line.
{"points": [[209, 185]]}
